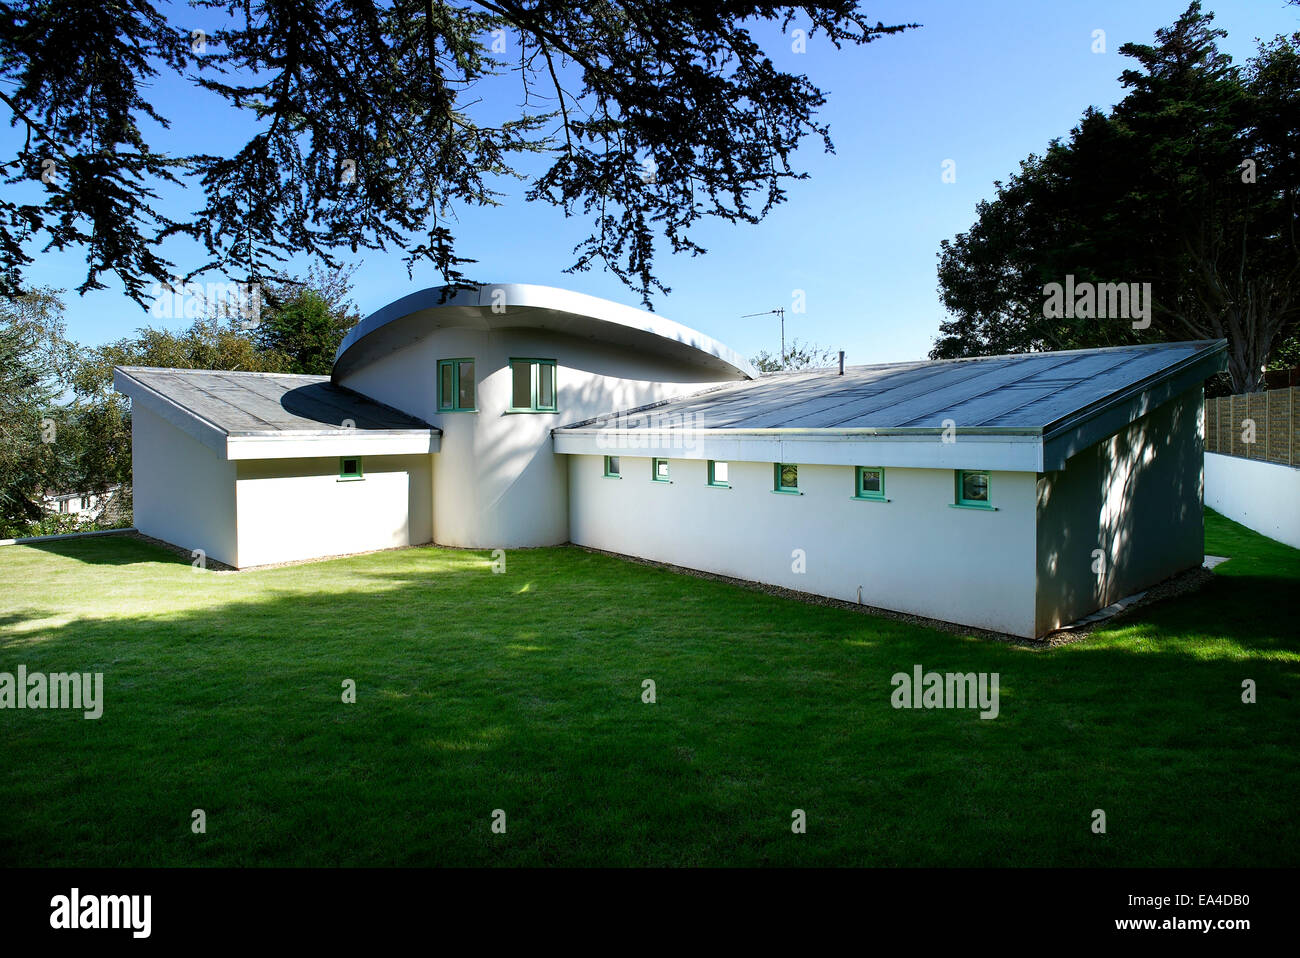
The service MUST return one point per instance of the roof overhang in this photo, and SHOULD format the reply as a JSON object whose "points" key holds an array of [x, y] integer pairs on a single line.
{"points": [[280, 444], [1005, 450], [520, 305]]}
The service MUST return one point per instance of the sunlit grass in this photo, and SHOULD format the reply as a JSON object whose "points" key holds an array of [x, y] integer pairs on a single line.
{"points": [[523, 692]]}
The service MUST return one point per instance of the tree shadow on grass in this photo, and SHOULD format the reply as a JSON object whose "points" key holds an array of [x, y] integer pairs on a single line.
{"points": [[120, 550]]}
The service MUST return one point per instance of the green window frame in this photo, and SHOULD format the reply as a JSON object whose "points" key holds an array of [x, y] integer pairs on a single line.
{"points": [[659, 470], [350, 467], [715, 481], [612, 467], [532, 385], [967, 480], [869, 483], [456, 385], [785, 478]]}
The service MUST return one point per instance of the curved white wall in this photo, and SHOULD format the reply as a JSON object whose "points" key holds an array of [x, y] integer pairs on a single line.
{"points": [[497, 481]]}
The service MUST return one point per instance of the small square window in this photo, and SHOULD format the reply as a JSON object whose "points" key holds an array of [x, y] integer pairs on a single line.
{"points": [[718, 473], [611, 468], [785, 477], [659, 470], [870, 482], [350, 468], [973, 488]]}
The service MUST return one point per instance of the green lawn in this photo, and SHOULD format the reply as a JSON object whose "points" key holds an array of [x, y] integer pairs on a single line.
{"points": [[522, 692]]}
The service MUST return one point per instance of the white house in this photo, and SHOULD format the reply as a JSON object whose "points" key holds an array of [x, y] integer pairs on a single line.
{"points": [[1013, 493]]}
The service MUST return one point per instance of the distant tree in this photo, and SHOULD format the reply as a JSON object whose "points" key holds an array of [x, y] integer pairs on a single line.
{"points": [[798, 355], [369, 126], [306, 320], [35, 452], [1189, 184]]}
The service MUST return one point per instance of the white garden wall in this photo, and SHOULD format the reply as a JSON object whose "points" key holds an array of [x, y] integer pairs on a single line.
{"points": [[1263, 496], [913, 554]]}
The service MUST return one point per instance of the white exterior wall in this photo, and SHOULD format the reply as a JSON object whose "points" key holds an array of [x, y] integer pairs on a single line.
{"points": [[184, 494], [1137, 497], [912, 554], [1264, 496], [300, 509], [497, 481]]}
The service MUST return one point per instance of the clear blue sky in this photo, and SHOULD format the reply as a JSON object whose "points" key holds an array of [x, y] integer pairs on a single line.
{"points": [[981, 83]]}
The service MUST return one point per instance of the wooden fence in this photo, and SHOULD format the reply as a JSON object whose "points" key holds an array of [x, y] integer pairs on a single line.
{"points": [[1255, 426]]}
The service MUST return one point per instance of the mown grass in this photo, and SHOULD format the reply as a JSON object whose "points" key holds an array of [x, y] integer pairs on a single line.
{"points": [[523, 692]]}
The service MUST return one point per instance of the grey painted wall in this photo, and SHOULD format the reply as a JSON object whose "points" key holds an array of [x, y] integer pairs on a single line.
{"points": [[1137, 497]]}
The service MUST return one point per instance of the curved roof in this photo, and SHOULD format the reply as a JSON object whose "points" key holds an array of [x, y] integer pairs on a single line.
{"points": [[514, 305]]}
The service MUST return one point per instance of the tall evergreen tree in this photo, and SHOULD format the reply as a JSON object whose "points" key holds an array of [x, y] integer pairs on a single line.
{"points": [[1189, 184]]}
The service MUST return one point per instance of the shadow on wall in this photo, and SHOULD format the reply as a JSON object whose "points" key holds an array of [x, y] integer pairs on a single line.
{"points": [[1123, 516]]}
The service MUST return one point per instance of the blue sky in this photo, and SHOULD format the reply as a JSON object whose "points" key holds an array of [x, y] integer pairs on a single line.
{"points": [[982, 84]]}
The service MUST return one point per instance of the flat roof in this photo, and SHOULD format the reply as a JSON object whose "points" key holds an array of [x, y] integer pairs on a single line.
{"points": [[1028, 396], [232, 410]]}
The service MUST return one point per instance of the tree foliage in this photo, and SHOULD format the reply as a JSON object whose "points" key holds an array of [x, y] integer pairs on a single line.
{"points": [[1189, 184], [305, 321], [370, 126], [798, 356], [34, 451]]}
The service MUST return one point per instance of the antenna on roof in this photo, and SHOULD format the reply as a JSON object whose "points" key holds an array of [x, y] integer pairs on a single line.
{"points": [[780, 311]]}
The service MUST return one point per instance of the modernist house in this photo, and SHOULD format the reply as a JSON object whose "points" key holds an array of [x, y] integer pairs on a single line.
{"points": [[1012, 493]]}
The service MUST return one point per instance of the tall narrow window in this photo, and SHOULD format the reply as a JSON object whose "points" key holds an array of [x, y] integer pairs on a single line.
{"points": [[456, 385], [785, 477], [532, 385], [659, 470], [611, 468], [870, 483]]}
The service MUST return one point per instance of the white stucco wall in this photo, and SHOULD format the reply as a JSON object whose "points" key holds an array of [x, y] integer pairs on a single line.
{"points": [[912, 554], [299, 508], [497, 481], [1263, 496], [184, 493], [1137, 497]]}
